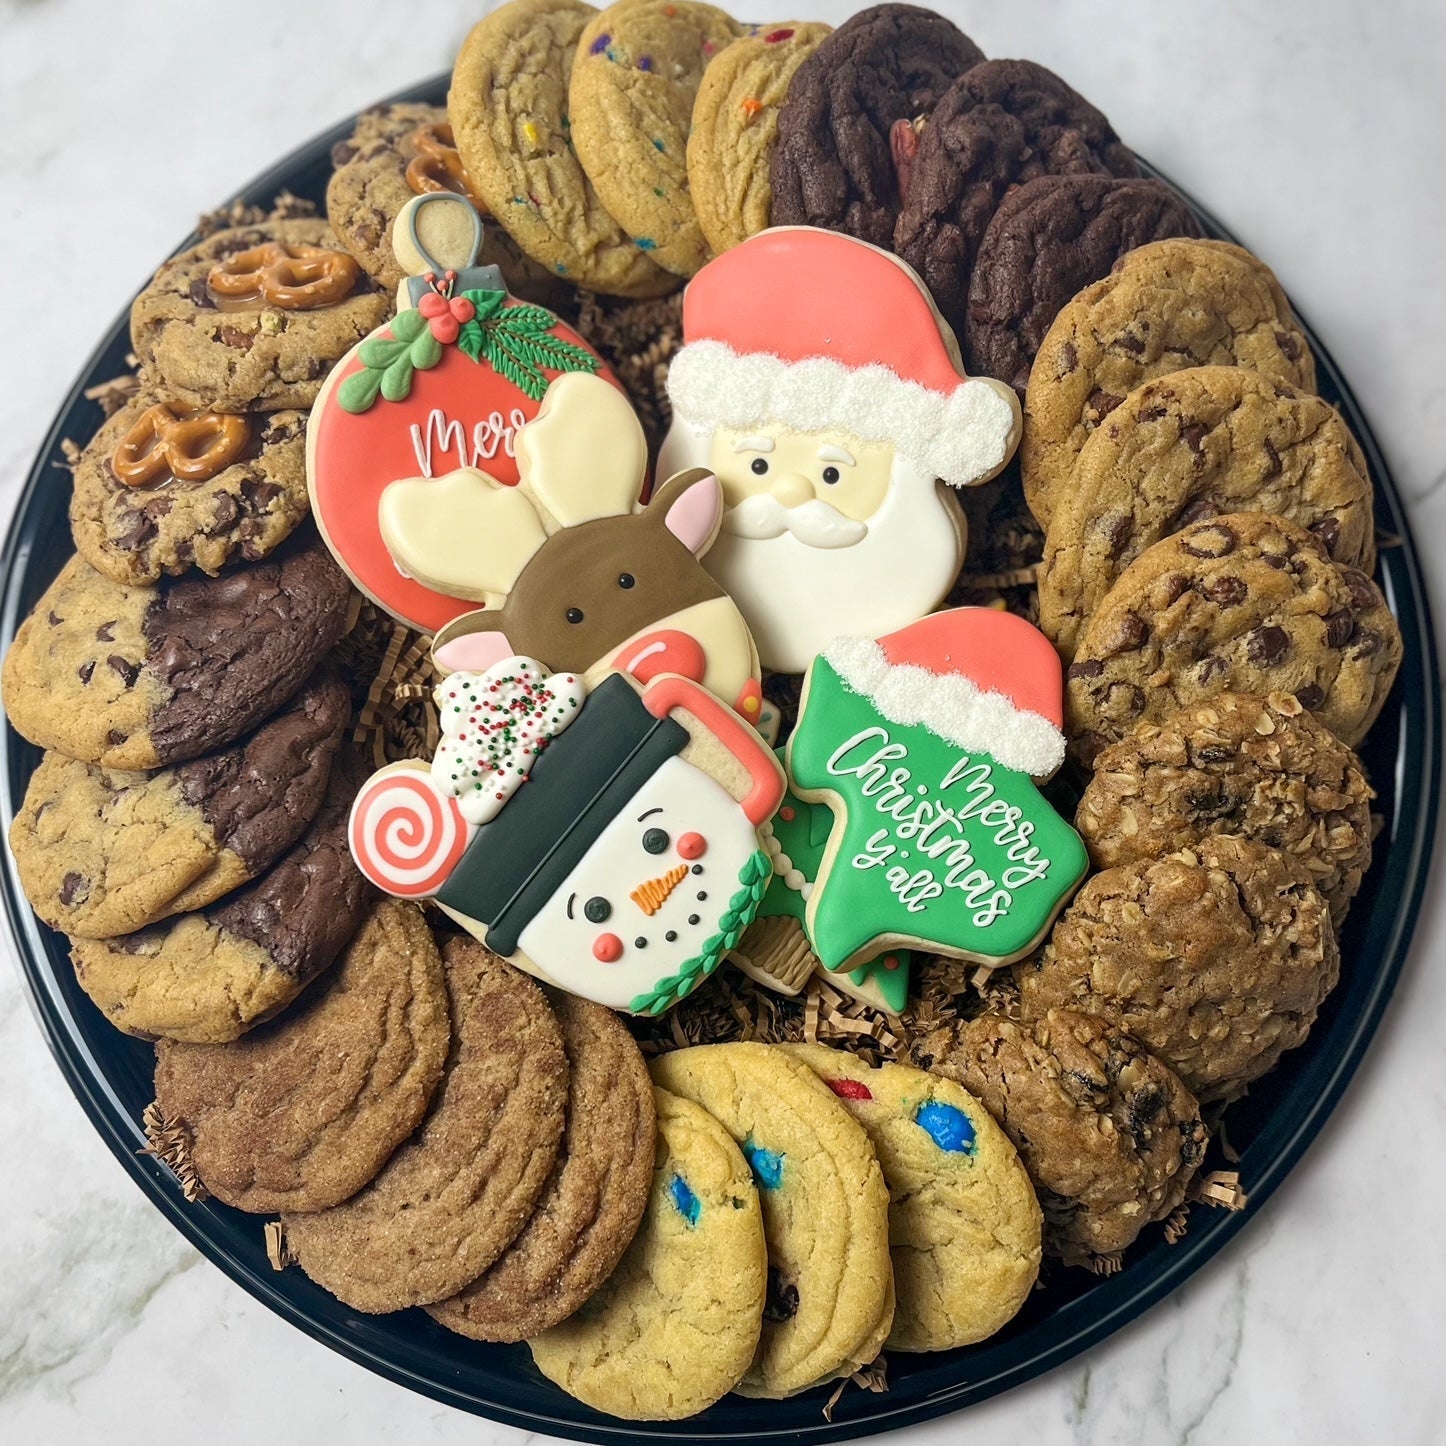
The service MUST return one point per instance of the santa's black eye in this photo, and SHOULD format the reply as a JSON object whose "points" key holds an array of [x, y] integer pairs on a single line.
{"points": [[830, 475], [626, 579], [655, 840], [597, 910], [573, 615], [760, 465]]}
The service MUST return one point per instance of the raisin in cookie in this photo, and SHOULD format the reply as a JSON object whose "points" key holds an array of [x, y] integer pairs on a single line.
{"points": [[1215, 958], [253, 318], [142, 677], [1163, 307], [163, 488], [303, 1112], [1047, 240], [1237, 764], [1188, 446], [1001, 123], [102, 852], [834, 164], [1109, 1134], [1245, 603]]}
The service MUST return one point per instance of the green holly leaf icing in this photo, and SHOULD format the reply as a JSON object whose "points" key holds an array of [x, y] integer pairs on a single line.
{"points": [[517, 342], [381, 351], [359, 390], [397, 379], [408, 325], [488, 303], [425, 352]]}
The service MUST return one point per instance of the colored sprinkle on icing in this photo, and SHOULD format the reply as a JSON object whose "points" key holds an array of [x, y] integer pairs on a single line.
{"points": [[646, 243], [689, 1206], [767, 1166], [600, 44], [752, 106], [658, 145], [850, 1089], [948, 1127]]}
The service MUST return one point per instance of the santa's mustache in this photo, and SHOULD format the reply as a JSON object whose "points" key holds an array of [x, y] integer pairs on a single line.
{"points": [[813, 523]]}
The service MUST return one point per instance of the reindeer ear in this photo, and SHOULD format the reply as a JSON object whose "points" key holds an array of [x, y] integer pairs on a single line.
{"points": [[463, 534], [583, 456], [471, 643], [691, 506]]}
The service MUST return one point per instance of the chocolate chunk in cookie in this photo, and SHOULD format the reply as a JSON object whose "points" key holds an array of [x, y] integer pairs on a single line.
{"points": [[833, 165], [455, 1196], [1047, 240], [1164, 307], [1216, 959], [102, 852], [142, 677], [208, 977], [1261, 767], [1001, 123], [253, 318], [1110, 1136], [1245, 603], [590, 1208], [303, 1112]]}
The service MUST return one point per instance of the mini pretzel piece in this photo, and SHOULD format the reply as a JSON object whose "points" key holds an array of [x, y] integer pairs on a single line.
{"points": [[437, 166], [293, 278], [191, 448]]}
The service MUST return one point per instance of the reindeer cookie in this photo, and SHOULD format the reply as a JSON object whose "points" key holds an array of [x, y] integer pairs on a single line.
{"points": [[630, 863]]}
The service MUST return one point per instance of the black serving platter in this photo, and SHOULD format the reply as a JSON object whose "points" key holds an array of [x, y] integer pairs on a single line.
{"points": [[111, 1073]]}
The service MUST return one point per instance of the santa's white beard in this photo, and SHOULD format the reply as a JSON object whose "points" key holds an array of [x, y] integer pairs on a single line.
{"points": [[796, 599]]}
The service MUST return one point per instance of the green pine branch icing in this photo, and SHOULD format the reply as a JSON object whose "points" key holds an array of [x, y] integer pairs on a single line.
{"points": [[753, 881]]}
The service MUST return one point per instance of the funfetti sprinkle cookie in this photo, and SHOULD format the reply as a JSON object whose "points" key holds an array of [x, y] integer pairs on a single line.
{"points": [[821, 385], [630, 863], [926, 745]]}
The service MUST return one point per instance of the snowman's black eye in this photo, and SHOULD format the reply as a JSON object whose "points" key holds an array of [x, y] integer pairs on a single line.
{"points": [[655, 840], [830, 475], [626, 580], [759, 465], [597, 910], [573, 615]]}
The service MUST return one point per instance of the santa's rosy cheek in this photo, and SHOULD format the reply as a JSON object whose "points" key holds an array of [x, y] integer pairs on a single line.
{"points": [[692, 846], [607, 948]]}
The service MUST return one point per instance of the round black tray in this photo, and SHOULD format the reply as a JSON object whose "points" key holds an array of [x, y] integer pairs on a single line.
{"points": [[111, 1073]]}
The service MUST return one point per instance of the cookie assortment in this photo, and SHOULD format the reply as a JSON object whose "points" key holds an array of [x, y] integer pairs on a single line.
{"points": [[734, 641]]}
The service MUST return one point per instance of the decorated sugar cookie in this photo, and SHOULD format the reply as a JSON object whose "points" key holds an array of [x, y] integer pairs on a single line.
{"points": [[926, 746], [447, 384], [820, 384], [605, 840]]}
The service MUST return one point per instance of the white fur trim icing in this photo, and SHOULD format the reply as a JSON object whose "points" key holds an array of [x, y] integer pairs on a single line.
{"points": [[961, 436], [951, 706]]}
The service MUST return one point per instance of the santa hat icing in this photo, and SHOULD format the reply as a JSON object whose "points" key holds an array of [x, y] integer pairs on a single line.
{"points": [[821, 332], [981, 678]]}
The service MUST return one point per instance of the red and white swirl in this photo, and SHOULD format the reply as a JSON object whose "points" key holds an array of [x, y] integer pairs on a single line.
{"points": [[406, 835]]}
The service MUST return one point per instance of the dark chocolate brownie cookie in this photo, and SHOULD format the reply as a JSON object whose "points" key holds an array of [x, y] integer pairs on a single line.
{"points": [[1001, 123], [1238, 764], [1109, 1135], [1047, 240], [833, 165], [302, 1112], [208, 977], [1216, 959], [142, 677], [1245, 603], [102, 853]]}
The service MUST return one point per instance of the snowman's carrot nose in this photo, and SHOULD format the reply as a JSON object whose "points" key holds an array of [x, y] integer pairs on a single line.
{"points": [[651, 896]]}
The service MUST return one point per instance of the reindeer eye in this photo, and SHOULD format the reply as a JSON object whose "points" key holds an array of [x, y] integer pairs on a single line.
{"points": [[573, 615], [830, 475], [759, 465], [626, 580]]}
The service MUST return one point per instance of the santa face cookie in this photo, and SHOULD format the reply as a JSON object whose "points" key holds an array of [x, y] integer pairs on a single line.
{"points": [[628, 866], [926, 746], [820, 385]]}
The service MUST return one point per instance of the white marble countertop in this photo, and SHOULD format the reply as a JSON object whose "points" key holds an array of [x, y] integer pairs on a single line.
{"points": [[1313, 127]]}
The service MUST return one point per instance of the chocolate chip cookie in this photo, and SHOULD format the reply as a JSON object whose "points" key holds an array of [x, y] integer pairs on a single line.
{"points": [[590, 1208], [1261, 767], [142, 677], [102, 852], [834, 165], [455, 1196], [1163, 307], [1001, 123], [208, 977], [253, 318], [1245, 603], [1109, 1134], [1047, 240], [303, 1112], [639, 64], [509, 112], [163, 488], [1192, 445], [735, 128]]}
